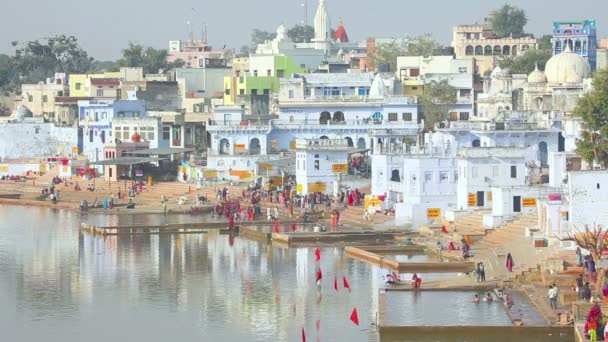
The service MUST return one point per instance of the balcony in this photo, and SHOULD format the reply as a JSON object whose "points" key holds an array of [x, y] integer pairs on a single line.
{"points": [[348, 100], [350, 124]]}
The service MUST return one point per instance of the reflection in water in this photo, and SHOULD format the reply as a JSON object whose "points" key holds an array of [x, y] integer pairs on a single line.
{"points": [[63, 285]]}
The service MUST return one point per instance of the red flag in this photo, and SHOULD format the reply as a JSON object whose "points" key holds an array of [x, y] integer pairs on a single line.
{"points": [[354, 317], [317, 254], [303, 335], [318, 325], [346, 285], [319, 274], [336, 283], [276, 226]]}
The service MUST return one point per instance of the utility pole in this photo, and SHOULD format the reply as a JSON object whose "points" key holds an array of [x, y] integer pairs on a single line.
{"points": [[305, 7]]}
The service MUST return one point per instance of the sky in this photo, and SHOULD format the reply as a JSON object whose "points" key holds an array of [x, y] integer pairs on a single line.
{"points": [[105, 27]]}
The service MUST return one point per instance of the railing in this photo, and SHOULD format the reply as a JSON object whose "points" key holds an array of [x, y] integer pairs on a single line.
{"points": [[333, 124], [350, 99]]}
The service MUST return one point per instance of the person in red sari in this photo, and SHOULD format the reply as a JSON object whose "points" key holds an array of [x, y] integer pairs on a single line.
{"points": [[509, 262]]}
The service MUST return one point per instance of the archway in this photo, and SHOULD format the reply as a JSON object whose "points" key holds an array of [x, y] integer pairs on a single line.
{"points": [[349, 141], [487, 50], [476, 143], [254, 146], [525, 48], [395, 176], [506, 50], [224, 147], [361, 143], [324, 137], [577, 46], [325, 118], [514, 50], [479, 50], [468, 50], [338, 117], [497, 50], [543, 154]]}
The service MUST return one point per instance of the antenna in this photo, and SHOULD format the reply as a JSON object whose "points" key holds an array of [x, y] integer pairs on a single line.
{"points": [[305, 7], [204, 35], [191, 34]]}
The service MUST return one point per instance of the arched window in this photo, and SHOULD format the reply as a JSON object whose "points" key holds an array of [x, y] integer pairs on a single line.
{"points": [[325, 118], [395, 176], [476, 143], [361, 143], [338, 117], [224, 146], [543, 154], [487, 50], [254, 146], [514, 50], [497, 50], [479, 50], [506, 50], [349, 141], [469, 50]]}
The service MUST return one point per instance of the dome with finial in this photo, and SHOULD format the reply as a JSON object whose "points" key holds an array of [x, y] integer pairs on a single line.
{"points": [[136, 137], [281, 32], [499, 72], [567, 67], [537, 76]]}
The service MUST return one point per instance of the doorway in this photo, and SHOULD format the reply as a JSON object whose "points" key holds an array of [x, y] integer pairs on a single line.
{"points": [[480, 198], [517, 204]]}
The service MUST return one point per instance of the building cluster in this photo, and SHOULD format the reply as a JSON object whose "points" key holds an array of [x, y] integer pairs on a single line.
{"points": [[308, 109]]}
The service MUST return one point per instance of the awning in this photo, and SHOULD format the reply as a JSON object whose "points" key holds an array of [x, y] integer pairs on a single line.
{"points": [[127, 161], [162, 151]]}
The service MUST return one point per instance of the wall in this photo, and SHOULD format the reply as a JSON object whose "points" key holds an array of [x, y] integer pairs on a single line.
{"points": [[307, 174], [28, 140], [162, 96], [42, 97], [588, 198]]}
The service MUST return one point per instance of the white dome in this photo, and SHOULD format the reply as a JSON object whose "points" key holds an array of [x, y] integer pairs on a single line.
{"points": [[537, 76], [377, 90], [499, 72], [281, 32], [567, 67]]}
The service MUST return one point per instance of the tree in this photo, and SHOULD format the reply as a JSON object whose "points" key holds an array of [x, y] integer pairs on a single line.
{"points": [[437, 99], [544, 42], [592, 108], [260, 36], [387, 53], [526, 62], [6, 72], [301, 33], [508, 20], [37, 60], [150, 59]]}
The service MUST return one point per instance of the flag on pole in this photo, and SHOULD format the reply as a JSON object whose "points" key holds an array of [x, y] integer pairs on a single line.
{"points": [[336, 283], [354, 317], [303, 335], [317, 254], [319, 275], [346, 284]]}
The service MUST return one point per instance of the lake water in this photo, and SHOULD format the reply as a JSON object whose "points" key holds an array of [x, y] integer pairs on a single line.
{"points": [[58, 284]]}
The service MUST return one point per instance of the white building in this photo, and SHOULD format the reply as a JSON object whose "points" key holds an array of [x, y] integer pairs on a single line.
{"points": [[150, 129], [587, 198], [320, 164]]}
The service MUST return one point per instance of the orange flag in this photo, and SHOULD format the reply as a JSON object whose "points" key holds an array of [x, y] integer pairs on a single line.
{"points": [[354, 317], [303, 335], [346, 284]]}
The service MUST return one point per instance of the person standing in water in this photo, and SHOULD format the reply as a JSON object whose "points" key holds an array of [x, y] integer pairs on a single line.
{"points": [[476, 299], [509, 263]]}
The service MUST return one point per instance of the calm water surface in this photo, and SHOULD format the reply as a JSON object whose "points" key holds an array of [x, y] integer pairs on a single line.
{"points": [[57, 284]]}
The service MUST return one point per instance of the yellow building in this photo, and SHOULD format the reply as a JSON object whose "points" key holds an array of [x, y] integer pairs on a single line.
{"points": [[80, 84]]}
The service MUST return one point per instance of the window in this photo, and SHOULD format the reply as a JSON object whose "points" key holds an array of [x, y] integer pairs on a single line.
{"points": [[118, 93], [465, 92], [474, 172], [45, 98], [30, 98], [38, 131], [103, 137], [280, 73], [455, 176], [443, 177], [255, 73], [414, 88], [291, 94], [151, 133], [241, 79], [91, 136], [407, 116], [316, 165], [227, 91], [453, 116], [495, 171], [464, 116], [99, 92], [462, 70], [254, 92], [414, 72], [118, 132], [266, 91], [104, 115], [392, 116], [166, 133], [78, 85], [268, 72], [513, 171], [597, 185], [241, 91]]}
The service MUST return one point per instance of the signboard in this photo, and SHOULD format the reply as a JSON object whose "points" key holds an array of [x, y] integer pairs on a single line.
{"points": [[489, 196], [372, 202], [300, 188], [3, 168], [433, 212], [555, 198], [210, 174], [339, 168], [42, 168], [139, 173], [529, 202], [240, 147], [317, 187], [75, 149], [266, 167], [292, 144], [472, 201]]}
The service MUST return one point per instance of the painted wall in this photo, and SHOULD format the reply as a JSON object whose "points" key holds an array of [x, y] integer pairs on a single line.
{"points": [[316, 167], [28, 140], [588, 198]]}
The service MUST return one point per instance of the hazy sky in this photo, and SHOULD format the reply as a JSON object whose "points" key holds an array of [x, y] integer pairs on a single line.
{"points": [[104, 27]]}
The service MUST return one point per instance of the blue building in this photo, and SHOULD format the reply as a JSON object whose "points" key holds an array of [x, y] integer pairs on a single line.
{"points": [[580, 36], [95, 123]]}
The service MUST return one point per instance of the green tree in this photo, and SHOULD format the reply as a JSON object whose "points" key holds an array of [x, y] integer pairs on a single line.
{"points": [[438, 98], [423, 45], [260, 36], [544, 42], [6, 72], [150, 59], [592, 108], [508, 20], [301, 33], [387, 53], [37, 60], [526, 62]]}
